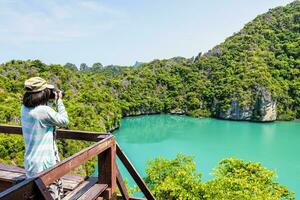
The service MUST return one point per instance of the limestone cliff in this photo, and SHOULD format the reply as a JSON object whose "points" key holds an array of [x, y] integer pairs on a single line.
{"points": [[264, 108]]}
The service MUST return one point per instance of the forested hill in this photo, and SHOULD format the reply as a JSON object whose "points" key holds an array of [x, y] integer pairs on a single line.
{"points": [[263, 57], [252, 75]]}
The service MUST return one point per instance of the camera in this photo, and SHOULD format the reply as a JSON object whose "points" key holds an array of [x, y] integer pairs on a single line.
{"points": [[55, 91]]}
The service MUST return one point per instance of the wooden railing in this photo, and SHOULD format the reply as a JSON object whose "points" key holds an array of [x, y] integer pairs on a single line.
{"points": [[109, 177]]}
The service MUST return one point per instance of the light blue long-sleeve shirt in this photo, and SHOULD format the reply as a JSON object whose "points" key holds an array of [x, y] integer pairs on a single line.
{"points": [[37, 125]]}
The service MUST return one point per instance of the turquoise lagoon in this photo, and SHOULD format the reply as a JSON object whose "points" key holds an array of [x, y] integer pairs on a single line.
{"points": [[276, 145]]}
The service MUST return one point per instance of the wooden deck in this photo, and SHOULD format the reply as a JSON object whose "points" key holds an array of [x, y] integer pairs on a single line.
{"points": [[11, 175], [14, 185]]}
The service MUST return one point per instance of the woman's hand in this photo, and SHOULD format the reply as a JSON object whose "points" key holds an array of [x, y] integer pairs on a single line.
{"points": [[58, 95]]}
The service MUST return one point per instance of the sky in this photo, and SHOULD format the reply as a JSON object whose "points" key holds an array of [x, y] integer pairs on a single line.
{"points": [[117, 31]]}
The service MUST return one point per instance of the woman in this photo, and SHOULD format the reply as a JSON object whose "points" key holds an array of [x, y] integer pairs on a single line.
{"points": [[38, 126]]}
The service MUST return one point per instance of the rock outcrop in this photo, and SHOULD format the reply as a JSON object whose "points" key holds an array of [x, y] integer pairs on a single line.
{"points": [[178, 111], [264, 108], [235, 112]]}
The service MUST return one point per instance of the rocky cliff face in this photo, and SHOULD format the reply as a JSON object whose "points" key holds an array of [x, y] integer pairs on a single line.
{"points": [[264, 108], [235, 112]]}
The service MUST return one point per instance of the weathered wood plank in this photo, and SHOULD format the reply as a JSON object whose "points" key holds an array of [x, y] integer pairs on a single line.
{"points": [[81, 189], [7, 179], [11, 168], [13, 177], [53, 173], [10, 175], [94, 192], [69, 185], [135, 175], [74, 177], [71, 181]]}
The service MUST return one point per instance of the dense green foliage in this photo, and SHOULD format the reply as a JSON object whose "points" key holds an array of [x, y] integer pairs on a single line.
{"points": [[169, 86], [174, 179], [11, 149], [265, 53], [233, 179], [89, 102], [237, 179]]}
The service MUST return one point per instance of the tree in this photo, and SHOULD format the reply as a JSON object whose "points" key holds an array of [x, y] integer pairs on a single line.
{"points": [[238, 179], [233, 179], [71, 66], [83, 67], [97, 67], [174, 179]]}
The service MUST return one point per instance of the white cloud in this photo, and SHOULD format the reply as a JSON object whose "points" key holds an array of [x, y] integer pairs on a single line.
{"points": [[97, 7], [54, 21]]}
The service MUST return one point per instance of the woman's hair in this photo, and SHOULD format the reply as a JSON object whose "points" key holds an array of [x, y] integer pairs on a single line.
{"points": [[33, 99]]}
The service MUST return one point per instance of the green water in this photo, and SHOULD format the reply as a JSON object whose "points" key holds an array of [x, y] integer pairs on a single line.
{"points": [[276, 145]]}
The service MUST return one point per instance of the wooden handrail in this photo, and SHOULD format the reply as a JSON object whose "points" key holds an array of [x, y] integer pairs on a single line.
{"points": [[60, 169], [57, 171], [61, 133], [108, 173], [19, 191]]}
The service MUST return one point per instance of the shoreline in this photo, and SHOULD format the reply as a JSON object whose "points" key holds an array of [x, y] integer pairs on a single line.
{"points": [[217, 118]]}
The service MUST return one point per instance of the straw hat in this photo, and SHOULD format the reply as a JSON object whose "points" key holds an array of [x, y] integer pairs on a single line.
{"points": [[37, 84]]}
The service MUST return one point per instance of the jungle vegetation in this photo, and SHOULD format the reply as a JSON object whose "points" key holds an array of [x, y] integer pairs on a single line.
{"points": [[232, 179]]}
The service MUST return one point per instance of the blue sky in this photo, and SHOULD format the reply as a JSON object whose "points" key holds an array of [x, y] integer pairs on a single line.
{"points": [[118, 31]]}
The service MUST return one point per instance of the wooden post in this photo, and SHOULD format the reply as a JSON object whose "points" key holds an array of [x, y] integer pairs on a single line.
{"points": [[107, 171], [44, 191]]}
